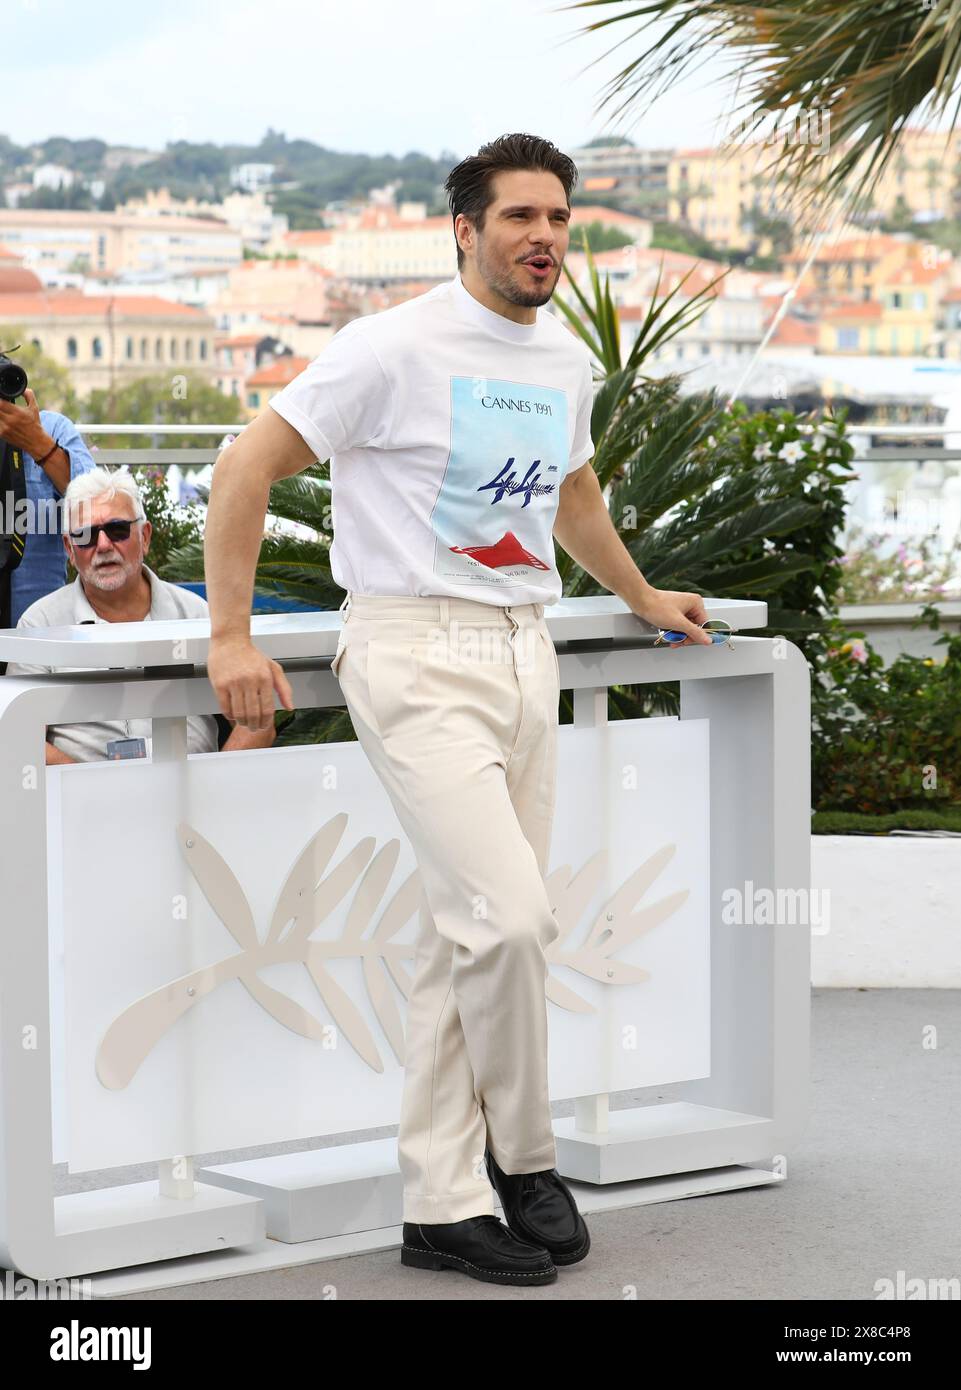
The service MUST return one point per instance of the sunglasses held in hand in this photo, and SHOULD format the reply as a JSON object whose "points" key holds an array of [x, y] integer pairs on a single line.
{"points": [[718, 630]]}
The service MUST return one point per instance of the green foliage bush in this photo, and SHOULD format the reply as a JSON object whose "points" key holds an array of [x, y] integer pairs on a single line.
{"points": [[886, 738]]}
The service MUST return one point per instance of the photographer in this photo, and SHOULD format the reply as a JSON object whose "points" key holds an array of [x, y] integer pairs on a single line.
{"points": [[53, 453]]}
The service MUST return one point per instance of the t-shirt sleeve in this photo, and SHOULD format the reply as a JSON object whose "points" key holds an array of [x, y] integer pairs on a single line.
{"points": [[582, 448], [342, 399]]}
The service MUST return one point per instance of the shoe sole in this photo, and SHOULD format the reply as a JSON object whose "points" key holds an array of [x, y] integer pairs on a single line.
{"points": [[574, 1256], [571, 1257], [417, 1258]]}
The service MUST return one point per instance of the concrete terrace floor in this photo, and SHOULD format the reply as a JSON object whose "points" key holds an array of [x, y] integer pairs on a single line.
{"points": [[872, 1188]]}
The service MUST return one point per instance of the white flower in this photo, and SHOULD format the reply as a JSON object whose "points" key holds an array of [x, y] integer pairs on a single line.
{"points": [[781, 425], [818, 441], [763, 451], [712, 442], [792, 452], [805, 429]]}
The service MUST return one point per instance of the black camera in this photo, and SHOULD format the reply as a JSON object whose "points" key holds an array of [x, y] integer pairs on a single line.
{"points": [[13, 491], [13, 379]]}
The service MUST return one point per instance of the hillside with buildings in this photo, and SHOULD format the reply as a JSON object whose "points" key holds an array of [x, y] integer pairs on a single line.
{"points": [[205, 272]]}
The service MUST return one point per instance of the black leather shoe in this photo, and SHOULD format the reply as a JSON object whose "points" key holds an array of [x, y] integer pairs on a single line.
{"points": [[539, 1207], [482, 1247]]}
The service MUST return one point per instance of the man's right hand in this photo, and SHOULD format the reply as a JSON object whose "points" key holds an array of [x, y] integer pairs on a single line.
{"points": [[244, 681]]}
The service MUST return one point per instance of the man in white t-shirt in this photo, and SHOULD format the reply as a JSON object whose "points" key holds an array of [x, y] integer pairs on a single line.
{"points": [[458, 431]]}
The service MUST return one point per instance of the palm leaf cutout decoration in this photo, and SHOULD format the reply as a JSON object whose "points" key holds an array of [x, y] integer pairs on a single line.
{"points": [[313, 888], [615, 926], [306, 898]]}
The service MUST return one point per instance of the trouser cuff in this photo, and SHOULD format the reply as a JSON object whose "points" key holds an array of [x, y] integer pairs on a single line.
{"points": [[452, 1206]]}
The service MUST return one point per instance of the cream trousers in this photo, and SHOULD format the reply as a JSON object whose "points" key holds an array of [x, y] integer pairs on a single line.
{"points": [[454, 702]]}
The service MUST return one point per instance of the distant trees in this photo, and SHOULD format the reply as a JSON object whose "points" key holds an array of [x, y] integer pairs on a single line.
{"points": [[164, 398], [49, 381], [601, 235]]}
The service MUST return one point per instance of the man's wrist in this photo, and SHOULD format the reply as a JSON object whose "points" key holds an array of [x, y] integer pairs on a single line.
{"points": [[640, 594], [44, 449]]}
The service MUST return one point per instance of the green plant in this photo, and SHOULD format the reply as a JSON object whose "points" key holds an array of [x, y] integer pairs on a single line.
{"points": [[294, 561], [49, 381], [802, 462], [605, 237], [707, 498], [177, 397], [917, 569], [885, 738], [173, 525]]}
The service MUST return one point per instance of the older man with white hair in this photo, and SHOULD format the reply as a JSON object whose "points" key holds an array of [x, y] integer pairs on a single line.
{"points": [[106, 534]]}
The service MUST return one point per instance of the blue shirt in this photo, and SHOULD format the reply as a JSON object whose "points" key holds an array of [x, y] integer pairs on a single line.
{"points": [[44, 565]]}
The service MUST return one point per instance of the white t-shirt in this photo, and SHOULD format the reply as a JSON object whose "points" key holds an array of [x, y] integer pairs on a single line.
{"points": [[449, 429]]}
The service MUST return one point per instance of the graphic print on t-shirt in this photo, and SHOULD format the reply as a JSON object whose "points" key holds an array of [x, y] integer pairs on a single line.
{"points": [[494, 514]]}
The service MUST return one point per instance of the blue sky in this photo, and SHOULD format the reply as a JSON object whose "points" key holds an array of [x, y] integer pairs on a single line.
{"points": [[378, 76]]}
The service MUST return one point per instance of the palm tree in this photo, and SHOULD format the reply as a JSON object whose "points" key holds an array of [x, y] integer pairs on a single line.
{"points": [[870, 66]]}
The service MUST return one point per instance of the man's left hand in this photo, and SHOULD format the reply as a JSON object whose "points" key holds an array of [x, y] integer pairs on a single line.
{"points": [[670, 610], [20, 426]]}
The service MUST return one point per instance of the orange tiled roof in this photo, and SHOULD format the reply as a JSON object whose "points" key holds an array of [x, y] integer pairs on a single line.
{"points": [[916, 275], [18, 280], [279, 373], [852, 249], [593, 212], [57, 217], [278, 265], [852, 309], [241, 340], [317, 236], [388, 219], [792, 332], [73, 304]]}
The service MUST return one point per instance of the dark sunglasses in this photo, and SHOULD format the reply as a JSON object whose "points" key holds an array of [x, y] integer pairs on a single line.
{"points": [[117, 529]]}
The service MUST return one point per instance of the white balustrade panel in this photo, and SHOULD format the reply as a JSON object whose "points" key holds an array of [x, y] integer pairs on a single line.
{"points": [[274, 1013]]}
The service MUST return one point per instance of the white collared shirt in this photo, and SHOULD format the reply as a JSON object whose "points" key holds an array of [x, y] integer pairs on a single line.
{"points": [[69, 605]]}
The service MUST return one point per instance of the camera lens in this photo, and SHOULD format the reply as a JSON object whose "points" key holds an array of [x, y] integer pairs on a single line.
{"points": [[13, 380]]}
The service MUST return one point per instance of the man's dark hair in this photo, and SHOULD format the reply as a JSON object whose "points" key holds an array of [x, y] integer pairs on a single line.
{"points": [[469, 185]]}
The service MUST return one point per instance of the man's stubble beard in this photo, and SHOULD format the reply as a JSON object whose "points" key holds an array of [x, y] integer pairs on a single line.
{"points": [[113, 579], [503, 282]]}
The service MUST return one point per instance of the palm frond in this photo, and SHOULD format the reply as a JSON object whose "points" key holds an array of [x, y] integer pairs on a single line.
{"points": [[869, 68]]}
